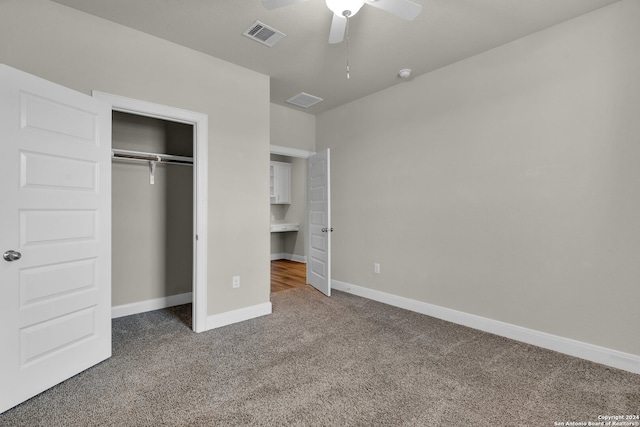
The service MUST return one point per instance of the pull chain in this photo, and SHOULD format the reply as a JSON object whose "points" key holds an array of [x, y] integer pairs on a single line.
{"points": [[347, 31]]}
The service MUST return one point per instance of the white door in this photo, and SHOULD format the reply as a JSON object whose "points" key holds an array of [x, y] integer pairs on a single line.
{"points": [[55, 215], [319, 222]]}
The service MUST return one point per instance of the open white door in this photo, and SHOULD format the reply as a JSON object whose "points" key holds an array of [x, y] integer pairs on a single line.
{"points": [[55, 234], [319, 222]]}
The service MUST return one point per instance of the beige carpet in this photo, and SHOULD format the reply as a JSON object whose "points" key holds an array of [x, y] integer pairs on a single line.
{"points": [[317, 361]]}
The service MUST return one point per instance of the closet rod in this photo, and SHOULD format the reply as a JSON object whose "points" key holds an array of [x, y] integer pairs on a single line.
{"points": [[151, 157]]}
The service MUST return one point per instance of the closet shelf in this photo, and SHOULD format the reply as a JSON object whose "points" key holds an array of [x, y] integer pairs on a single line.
{"points": [[141, 156]]}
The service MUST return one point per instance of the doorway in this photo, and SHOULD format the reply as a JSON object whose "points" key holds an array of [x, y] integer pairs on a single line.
{"points": [[288, 219], [199, 125], [152, 213], [288, 222]]}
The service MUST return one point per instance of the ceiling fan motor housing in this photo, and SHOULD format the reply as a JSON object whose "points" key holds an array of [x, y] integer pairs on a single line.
{"points": [[346, 8]]}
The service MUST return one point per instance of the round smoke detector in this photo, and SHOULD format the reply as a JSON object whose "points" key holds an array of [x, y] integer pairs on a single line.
{"points": [[404, 73]]}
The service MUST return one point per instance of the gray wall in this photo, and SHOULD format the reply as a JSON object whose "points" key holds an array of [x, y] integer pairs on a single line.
{"points": [[505, 185], [292, 128], [152, 225], [83, 52]]}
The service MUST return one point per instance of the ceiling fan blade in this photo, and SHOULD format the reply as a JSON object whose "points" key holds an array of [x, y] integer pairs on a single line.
{"points": [[338, 26], [404, 9], [276, 4]]}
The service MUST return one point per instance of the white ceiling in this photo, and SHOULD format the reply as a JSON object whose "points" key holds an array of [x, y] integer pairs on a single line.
{"points": [[380, 44]]}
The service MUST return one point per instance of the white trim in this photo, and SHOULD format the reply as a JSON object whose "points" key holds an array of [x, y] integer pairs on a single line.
{"points": [[297, 258], [289, 257], [239, 315], [606, 356], [291, 152], [200, 123], [150, 305], [275, 257]]}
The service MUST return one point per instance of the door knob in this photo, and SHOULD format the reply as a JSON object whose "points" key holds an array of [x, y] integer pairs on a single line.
{"points": [[325, 229], [12, 255]]}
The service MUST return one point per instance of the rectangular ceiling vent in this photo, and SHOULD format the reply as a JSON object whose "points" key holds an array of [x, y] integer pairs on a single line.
{"points": [[304, 100], [264, 34]]}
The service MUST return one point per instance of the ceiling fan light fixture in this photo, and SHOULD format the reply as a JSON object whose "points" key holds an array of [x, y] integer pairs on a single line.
{"points": [[346, 8]]}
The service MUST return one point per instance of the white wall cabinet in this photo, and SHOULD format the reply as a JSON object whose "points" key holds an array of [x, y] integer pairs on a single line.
{"points": [[280, 183]]}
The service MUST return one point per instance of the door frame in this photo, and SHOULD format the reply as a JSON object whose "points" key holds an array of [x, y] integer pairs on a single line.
{"points": [[291, 152], [199, 122]]}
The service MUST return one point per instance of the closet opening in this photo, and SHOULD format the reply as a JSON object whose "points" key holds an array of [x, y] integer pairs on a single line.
{"points": [[159, 253], [152, 210]]}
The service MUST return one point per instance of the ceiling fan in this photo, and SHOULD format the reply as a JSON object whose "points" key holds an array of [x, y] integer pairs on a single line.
{"points": [[345, 9]]}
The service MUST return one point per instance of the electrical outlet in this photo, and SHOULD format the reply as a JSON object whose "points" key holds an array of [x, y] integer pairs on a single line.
{"points": [[376, 268], [235, 282]]}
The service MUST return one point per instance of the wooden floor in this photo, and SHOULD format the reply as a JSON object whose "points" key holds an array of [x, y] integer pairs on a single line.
{"points": [[287, 275]]}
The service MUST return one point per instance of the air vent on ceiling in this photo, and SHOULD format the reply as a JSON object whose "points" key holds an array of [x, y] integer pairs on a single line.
{"points": [[264, 34], [304, 100]]}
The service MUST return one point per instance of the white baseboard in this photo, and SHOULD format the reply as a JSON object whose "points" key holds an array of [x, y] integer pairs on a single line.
{"points": [[594, 353], [290, 257], [150, 305], [240, 315]]}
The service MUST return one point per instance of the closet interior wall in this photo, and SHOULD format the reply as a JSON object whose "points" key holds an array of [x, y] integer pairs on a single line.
{"points": [[152, 224]]}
